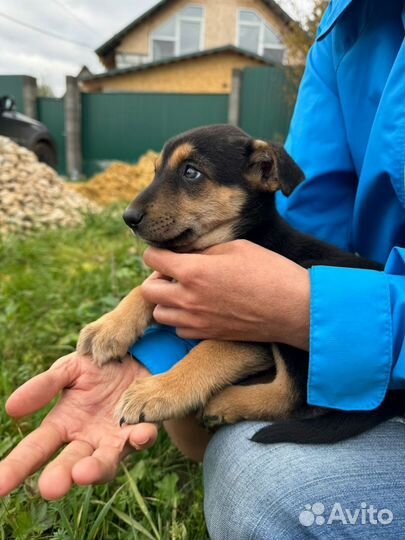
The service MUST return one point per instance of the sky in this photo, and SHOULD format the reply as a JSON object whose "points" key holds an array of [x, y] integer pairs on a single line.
{"points": [[89, 23]]}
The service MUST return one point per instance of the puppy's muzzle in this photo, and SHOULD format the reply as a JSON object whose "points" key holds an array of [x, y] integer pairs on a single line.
{"points": [[133, 217]]}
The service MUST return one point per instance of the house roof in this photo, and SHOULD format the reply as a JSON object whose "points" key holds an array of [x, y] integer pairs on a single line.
{"points": [[115, 40], [176, 59]]}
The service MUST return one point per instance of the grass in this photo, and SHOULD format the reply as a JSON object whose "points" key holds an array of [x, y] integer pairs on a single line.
{"points": [[50, 285]]}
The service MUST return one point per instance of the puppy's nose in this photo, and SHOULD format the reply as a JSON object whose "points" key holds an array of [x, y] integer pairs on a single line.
{"points": [[133, 217]]}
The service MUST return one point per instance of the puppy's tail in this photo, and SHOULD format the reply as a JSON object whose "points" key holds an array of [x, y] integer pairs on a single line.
{"points": [[333, 426]]}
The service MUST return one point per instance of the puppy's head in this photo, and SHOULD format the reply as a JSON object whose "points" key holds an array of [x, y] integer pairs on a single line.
{"points": [[205, 181]]}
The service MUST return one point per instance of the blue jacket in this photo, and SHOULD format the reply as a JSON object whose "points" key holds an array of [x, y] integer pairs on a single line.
{"points": [[348, 135]]}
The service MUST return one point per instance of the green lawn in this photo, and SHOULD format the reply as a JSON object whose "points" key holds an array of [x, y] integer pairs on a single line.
{"points": [[50, 285]]}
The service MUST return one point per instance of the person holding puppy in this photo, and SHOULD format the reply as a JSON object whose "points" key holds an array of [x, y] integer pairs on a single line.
{"points": [[348, 135]]}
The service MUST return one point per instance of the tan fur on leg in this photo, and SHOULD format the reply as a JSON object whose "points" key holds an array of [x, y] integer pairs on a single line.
{"points": [[271, 401], [210, 366], [109, 337]]}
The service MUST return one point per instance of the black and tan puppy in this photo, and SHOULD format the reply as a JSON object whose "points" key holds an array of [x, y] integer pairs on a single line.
{"points": [[212, 185]]}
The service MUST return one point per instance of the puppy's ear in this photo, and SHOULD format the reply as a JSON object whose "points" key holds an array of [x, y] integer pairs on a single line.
{"points": [[270, 168]]}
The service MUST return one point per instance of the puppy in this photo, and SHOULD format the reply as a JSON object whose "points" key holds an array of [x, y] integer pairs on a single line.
{"points": [[216, 184]]}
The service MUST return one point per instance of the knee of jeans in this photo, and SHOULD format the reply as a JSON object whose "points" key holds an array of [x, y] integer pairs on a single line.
{"points": [[257, 492], [246, 492]]}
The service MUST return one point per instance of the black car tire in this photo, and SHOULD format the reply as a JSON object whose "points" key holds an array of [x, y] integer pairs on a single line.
{"points": [[45, 153]]}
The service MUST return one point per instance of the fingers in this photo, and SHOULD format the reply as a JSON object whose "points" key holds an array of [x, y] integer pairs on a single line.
{"points": [[40, 390], [29, 456], [142, 436], [175, 317], [102, 465], [56, 479], [191, 333], [98, 468], [158, 275], [160, 291], [229, 248], [77, 463], [166, 262]]}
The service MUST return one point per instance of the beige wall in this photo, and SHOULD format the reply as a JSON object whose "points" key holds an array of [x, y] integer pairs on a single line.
{"points": [[208, 75], [220, 23]]}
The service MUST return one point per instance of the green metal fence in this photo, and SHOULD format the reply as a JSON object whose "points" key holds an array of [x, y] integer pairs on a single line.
{"points": [[122, 126], [125, 125], [267, 100], [12, 85], [51, 112]]}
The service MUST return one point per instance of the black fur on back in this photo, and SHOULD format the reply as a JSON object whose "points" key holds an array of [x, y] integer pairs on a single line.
{"points": [[331, 427]]}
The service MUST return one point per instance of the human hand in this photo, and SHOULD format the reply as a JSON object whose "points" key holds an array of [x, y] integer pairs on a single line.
{"points": [[83, 419], [234, 291]]}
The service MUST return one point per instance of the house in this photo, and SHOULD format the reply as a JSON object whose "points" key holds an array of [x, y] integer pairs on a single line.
{"points": [[184, 46]]}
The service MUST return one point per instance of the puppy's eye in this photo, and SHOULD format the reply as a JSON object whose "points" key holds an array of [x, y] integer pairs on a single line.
{"points": [[191, 174]]}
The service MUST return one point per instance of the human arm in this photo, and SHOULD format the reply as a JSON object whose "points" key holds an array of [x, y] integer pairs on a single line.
{"points": [[323, 204], [188, 436], [357, 316], [83, 420]]}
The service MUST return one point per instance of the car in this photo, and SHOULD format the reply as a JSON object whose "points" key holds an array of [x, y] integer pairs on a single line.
{"points": [[27, 132]]}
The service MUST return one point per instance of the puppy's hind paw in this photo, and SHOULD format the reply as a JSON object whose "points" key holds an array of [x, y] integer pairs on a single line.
{"points": [[222, 409]]}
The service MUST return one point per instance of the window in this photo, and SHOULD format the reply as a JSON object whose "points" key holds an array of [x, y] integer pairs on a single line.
{"points": [[163, 49], [164, 40], [249, 38], [180, 34], [189, 36], [255, 35]]}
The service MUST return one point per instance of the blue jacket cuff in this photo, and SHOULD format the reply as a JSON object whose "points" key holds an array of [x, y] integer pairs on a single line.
{"points": [[160, 348], [350, 338]]}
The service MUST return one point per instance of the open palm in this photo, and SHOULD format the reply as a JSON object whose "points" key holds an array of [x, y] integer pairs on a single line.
{"points": [[83, 419]]}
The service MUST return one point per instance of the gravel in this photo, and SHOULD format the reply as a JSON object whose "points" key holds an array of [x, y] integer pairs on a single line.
{"points": [[33, 196]]}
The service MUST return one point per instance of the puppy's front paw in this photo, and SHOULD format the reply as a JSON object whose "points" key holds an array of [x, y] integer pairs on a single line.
{"points": [[223, 408], [152, 399], [106, 339]]}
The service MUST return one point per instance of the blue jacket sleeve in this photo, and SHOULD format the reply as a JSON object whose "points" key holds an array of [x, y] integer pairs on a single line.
{"points": [[357, 347], [323, 204], [359, 352]]}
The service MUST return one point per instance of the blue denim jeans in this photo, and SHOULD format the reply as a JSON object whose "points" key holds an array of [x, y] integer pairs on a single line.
{"points": [[354, 489]]}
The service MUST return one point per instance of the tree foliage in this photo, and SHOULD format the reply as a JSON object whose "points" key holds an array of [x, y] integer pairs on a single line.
{"points": [[302, 34], [45, 90]]}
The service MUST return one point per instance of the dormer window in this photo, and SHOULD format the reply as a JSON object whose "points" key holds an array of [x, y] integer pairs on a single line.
{"points": [[255, 35], [181, 34]]}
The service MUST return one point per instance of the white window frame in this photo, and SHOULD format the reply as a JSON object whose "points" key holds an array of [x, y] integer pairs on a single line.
{"points": [[176, 39], [130, 59], [262, 24]]}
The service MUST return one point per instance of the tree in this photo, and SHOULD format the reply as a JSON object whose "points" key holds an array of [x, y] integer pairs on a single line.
{"points": [[301, 36], [45, 90]]}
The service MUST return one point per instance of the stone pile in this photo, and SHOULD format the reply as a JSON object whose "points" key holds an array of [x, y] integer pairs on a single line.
{"points": [[120, 182], [33, 196]]}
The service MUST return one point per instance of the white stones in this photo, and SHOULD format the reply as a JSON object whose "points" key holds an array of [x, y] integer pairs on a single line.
{"points": [[33, 196]]}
